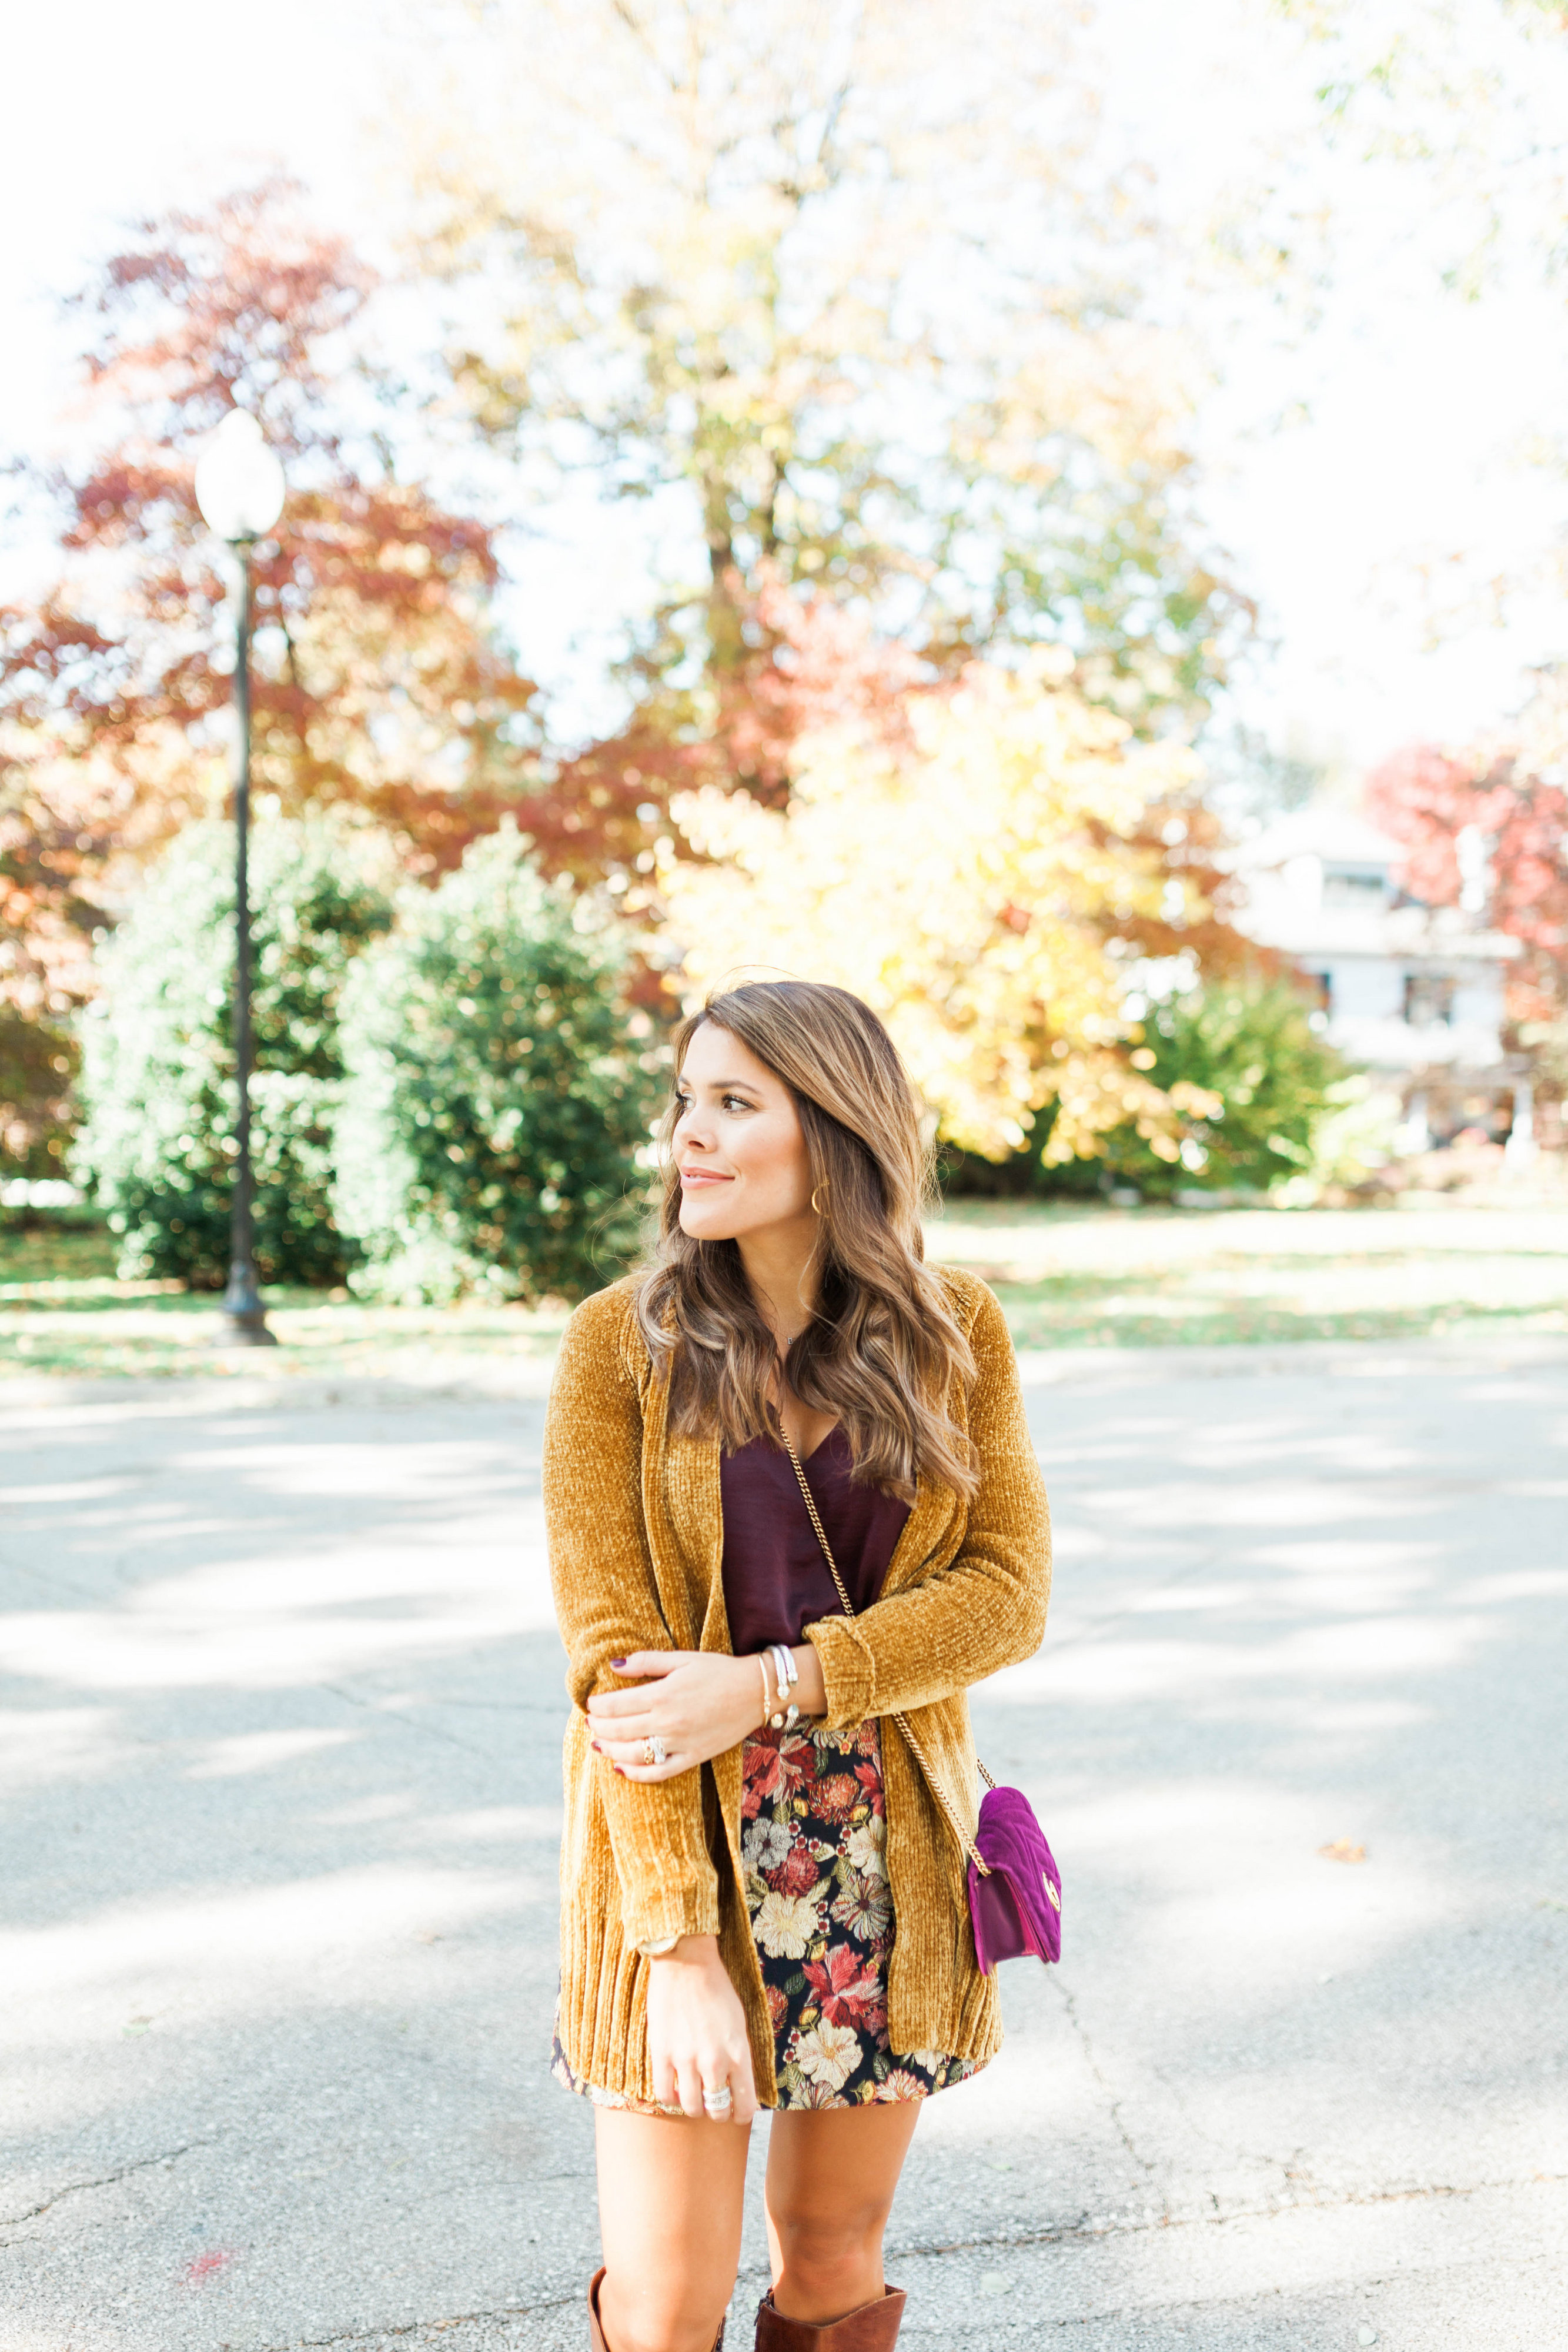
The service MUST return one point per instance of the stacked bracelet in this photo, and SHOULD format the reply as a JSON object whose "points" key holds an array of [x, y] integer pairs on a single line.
{"points": [[787, 1674]]}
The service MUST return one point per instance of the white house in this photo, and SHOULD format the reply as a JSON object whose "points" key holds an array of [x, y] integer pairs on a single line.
{"points": [[1414, 993]]}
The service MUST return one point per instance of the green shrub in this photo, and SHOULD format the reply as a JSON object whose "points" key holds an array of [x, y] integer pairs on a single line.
{"points": [[500, 1094], [1255, 1082], [158, 1087], [1266, 1106]]}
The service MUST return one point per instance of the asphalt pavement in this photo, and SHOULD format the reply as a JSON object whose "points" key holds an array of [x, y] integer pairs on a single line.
{"points": [[279, 1752]]}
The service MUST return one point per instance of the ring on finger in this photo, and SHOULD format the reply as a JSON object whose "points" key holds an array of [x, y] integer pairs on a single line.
{"points": [[654, 1750], [717, 2102]]}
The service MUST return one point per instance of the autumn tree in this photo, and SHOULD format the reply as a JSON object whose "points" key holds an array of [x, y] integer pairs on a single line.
{"points": [[1486, 828], [53, 838], [379, 679], [843, 299], [974, 859]]}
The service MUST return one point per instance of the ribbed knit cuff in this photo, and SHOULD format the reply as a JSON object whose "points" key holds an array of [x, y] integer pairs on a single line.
{"points": [[848, 1676], [671, 1911]]}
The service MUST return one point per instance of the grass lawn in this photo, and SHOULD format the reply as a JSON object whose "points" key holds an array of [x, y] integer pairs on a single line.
{"points": [[1151, 1277], [1069, 1276], [61, 1311]]}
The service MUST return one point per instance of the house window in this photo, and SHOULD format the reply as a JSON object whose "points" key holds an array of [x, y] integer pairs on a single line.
{"points": [[1344, 887], [1319, 986], [1429, 999]]}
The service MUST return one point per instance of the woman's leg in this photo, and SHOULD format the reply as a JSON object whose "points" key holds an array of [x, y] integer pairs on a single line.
{"points": [[831, 2172], [670, 2198]]}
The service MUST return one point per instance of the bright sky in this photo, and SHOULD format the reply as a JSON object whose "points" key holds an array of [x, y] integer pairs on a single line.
{"points": [[1397, 488]]}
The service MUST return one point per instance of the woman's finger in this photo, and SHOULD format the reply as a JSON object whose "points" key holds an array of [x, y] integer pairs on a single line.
{"points": [[728, 2069], [666, 2087], [635, 1769], [644, 1723], [634, 1748], [690, 2092], [745, 2108], [623, 1742], [612, 1706], [652, 1661]]}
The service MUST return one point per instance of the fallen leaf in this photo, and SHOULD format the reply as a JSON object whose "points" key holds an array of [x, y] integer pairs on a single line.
{"points": [[1343, 1849], [206, 2266]]}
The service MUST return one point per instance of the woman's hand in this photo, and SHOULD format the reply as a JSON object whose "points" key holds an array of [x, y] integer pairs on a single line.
{"points": [[698, 1702], [696, 2031]]}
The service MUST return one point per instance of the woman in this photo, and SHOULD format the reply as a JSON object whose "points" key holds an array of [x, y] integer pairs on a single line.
{"points": [[762, 1902]]}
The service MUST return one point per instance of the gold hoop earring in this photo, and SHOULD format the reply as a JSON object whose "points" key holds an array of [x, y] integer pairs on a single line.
{"points": [[816, 1206]]}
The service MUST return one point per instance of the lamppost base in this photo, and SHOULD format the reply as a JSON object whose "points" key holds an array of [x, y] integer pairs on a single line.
{"points": [[244, 1316], [242, 1331]]}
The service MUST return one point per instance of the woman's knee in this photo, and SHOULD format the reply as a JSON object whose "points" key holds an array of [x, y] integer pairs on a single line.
{"points": [[824, 2246], [649, 2320]]}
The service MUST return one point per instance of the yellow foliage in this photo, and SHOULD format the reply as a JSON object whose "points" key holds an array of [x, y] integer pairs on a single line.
{"points": [[964, 877]]}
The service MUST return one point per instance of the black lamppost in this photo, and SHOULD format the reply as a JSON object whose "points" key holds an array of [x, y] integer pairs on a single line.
{"points": [[239, 489]]}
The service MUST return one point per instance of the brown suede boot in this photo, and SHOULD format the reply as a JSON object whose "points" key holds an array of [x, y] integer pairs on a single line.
{"points": [[595, 2332], [596, 2327], [872, 2328]]}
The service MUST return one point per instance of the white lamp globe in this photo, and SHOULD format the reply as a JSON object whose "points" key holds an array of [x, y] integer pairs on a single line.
{"points": [[239, 482]]}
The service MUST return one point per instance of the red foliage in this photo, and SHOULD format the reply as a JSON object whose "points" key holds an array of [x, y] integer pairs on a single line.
{"points": [[378, 678], [239, 306], [56, 829], [805, 662], [1426, 798]]}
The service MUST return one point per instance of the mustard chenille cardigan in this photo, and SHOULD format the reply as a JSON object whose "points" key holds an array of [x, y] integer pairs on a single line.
{"points": [[635, 1540]]}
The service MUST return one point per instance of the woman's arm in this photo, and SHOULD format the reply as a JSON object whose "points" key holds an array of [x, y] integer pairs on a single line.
{"points": [[606, 1607], [986, 1610]]}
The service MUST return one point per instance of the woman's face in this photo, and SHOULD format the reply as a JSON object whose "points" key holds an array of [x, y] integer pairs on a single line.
{"points": [[738, 1143]]}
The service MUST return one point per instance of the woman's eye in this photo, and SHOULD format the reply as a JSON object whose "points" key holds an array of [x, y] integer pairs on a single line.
{"points": [[736, 1102]]}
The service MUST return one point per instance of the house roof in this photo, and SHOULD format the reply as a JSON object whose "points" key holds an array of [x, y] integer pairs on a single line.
{"points": [[1284, 909], [1338, 836]]}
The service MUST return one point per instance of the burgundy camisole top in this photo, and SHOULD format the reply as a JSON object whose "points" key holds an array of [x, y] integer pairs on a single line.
{"points": [[776, 1581]]}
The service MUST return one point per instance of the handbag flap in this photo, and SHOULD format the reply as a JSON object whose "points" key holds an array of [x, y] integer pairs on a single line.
{"points": [[1012, 1845]]}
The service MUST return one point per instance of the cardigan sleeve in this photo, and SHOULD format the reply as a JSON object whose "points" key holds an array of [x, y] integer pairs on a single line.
{"points": [[986, 1609], [607, 1605]]}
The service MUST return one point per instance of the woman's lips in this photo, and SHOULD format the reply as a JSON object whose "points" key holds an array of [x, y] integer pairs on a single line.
{"points": [[694, 1176]]}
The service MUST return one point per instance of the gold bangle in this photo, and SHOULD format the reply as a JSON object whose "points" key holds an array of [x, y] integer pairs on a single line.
{"points": [[767, 1693]]}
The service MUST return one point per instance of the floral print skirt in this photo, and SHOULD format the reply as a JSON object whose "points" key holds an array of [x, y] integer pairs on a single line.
{"points": [[813, 1827]]}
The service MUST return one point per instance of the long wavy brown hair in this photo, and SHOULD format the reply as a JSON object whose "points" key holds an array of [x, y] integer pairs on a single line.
{"points": [[882, 1346]]}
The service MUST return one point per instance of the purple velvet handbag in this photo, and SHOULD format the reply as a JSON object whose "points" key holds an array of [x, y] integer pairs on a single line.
{"points": [[1015, 1886]]}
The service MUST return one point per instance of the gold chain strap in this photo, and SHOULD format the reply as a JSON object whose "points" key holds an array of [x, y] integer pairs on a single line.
{"points": [[953, 1824]]}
